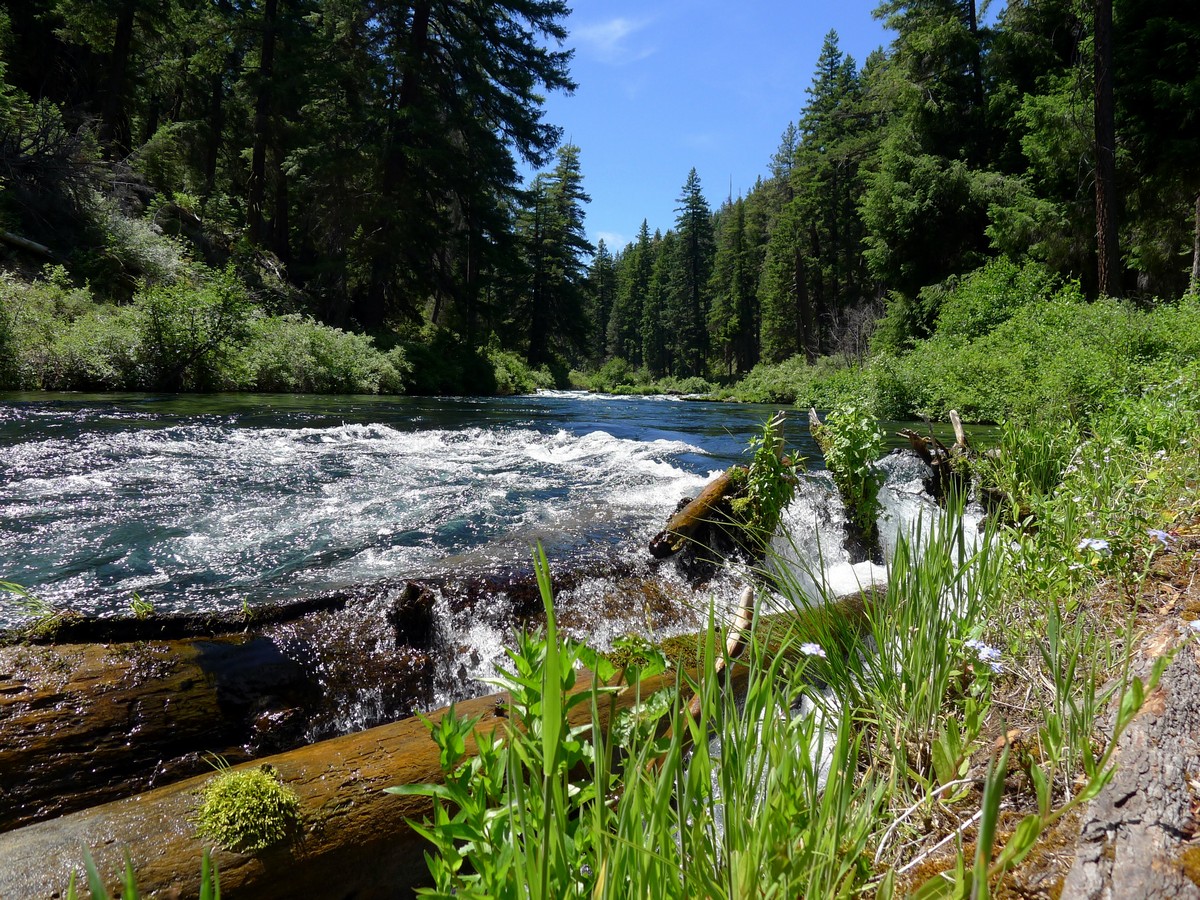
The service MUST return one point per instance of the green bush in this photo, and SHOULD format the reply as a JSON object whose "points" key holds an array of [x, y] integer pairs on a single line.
{"points": [[991, 296], [190, 330], [296, 354], [514, 376]]}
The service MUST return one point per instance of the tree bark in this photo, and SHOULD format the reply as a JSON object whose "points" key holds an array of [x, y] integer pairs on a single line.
{"points": [[684, 523], [1108, 256], [113, 118], [356, 842], [1194, 284], [256, 190], [1137, 835]]}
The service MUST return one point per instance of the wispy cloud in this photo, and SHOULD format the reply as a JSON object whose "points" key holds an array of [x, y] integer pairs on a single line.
{"points": [[612, 240], [611, 43]]}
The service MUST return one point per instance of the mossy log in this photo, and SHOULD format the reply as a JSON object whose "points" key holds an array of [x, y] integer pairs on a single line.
{"points": [[355, 841]]}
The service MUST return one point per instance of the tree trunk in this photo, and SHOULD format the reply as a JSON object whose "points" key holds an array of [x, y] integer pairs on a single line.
{"points": [[216, 125], [256, 190], [115, 122], [1108, 256], [1194, 284], [356, 842], [281, 241]]}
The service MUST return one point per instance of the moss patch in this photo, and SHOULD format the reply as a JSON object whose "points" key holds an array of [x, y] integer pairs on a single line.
{"points": [[248, 810]]}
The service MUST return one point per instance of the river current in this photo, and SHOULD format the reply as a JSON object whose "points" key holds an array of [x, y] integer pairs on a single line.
{"points": [[209, 502]]}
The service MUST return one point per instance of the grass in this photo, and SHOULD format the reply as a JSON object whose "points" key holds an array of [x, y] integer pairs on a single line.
{"points": [[931, 757]]}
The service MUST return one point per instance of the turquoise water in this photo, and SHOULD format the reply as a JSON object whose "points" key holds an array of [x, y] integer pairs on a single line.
{"points": [[197, 502]]}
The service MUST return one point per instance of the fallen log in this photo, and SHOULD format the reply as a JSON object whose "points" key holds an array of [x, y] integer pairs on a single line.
{"points": [[25, 244], [355, 843], [684, 524], [82, 724]]}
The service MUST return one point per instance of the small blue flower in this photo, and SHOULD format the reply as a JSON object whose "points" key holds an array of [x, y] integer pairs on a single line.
{"points": [[1096, 545], [1161, 536], [985, 653], [811, 649]]}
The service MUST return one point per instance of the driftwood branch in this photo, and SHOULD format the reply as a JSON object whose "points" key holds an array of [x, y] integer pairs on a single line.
{"points": [[736, 637]]}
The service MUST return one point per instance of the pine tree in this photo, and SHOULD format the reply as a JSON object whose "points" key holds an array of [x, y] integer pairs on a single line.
{"points": [[624, 333], [692, 271], [601, 295], [552, 305], [732, 319]]}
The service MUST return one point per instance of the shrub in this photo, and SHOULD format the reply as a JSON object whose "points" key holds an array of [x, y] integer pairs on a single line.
{"points": [[190, 329], [852, 442], [294, 353], [514, 376], [990, 296]]}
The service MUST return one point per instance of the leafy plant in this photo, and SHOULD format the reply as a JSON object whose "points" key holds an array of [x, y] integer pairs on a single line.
{"points": [[141, 607], [770, 484], [852, 442]]}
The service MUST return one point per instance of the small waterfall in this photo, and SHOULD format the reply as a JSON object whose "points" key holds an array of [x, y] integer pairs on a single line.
{"points": [[809, 556]]}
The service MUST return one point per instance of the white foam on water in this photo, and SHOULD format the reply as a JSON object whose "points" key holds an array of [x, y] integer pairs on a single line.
{"points": [[213, 512]]}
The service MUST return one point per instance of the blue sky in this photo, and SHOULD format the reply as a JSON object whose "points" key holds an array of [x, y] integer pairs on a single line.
{"points": [[665, 85]]}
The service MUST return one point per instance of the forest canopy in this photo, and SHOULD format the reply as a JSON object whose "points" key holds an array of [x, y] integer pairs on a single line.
{"points": [[345, 174]]}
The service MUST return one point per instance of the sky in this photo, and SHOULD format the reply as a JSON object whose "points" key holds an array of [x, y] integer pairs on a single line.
{"points": [[667, 85]]}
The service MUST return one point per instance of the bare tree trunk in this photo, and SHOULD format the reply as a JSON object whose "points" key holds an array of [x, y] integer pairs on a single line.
{"points": [[1108, 256], [262, 114], [1194, 284], [113, 118]]}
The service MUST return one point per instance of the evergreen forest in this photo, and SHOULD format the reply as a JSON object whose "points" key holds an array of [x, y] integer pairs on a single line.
{"points": [[326, 195]]}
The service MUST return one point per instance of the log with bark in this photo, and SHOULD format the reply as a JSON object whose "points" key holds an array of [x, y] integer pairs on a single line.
{"points": [[1139, 835], [356, 841], [84, 723]]}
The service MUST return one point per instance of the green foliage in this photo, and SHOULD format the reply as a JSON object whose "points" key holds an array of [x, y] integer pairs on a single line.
{"points": [[248, 810], [140, 606], [42, 617], [770, 484], [514, 375], [295, 354], [190, 331], [852, 442], [822, 384]]}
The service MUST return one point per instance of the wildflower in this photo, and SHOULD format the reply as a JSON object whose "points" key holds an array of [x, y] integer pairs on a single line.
{"points": [[811, 649], [985, 653], [1096, 545], [1161, 536]]}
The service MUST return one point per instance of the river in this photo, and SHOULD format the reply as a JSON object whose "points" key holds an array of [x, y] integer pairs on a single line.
{"points": [[211, 501]]}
